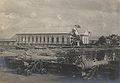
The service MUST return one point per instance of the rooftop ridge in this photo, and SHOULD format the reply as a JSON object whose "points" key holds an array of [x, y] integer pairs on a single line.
{"points": [[56, 33]]}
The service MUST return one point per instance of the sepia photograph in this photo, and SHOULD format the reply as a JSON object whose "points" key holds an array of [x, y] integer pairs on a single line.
{"points": [[59, 41]]}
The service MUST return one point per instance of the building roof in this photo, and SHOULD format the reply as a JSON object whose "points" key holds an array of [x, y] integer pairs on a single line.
{"points": [[7, 40], [81, 31], [43, 34]]}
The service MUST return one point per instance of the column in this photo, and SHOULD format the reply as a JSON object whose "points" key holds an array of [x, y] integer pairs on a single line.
{"points": [[83, 39], [26, 39], [34, 39], [50, 38]]}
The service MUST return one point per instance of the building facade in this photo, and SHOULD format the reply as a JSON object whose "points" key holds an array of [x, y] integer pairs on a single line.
{"points": [[77, 36], [43, 39], [82, 36], [7, 42]]}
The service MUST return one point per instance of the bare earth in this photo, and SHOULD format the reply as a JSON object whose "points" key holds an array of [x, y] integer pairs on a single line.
{"points": [[6, 76]]}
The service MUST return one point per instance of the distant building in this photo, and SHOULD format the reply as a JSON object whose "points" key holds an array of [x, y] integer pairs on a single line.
{"points": [[59, 39], [43, 39], [93, 40], [83, 35], [7, 42]]}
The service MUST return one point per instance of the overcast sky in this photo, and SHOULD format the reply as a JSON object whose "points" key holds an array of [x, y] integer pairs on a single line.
{"points": [[101, 17]]}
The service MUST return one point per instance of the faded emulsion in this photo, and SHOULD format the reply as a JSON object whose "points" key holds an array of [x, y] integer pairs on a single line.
{"points": [[59, 41]]}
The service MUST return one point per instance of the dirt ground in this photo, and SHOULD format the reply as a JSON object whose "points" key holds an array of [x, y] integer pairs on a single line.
{"points": [[8, 76]]}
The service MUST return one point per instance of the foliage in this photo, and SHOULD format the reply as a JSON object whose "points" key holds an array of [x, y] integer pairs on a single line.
{"points": [[109, 40], [101, 41], [114, 39], [69, 57], [75, 38]]}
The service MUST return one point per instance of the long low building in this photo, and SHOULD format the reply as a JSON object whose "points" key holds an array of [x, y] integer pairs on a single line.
{"points": [[7, 42], [60, 39], [43, 39]]}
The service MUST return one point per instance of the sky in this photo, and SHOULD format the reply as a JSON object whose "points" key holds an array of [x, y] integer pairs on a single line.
{"points": [[101, 17]]}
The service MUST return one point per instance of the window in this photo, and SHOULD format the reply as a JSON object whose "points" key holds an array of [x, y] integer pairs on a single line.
{"points": [[44, 39], [68, 40], [36, 38], [22, 39], [52, 39], [47, 39], [40, 39], [32, 39], [25, 39], [62, 39], [57, 39], [29, 39]]}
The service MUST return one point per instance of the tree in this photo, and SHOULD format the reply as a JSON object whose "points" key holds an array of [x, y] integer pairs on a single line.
{"points": [[114, 39], [70, 56], [75, 38], [101, 41]]}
